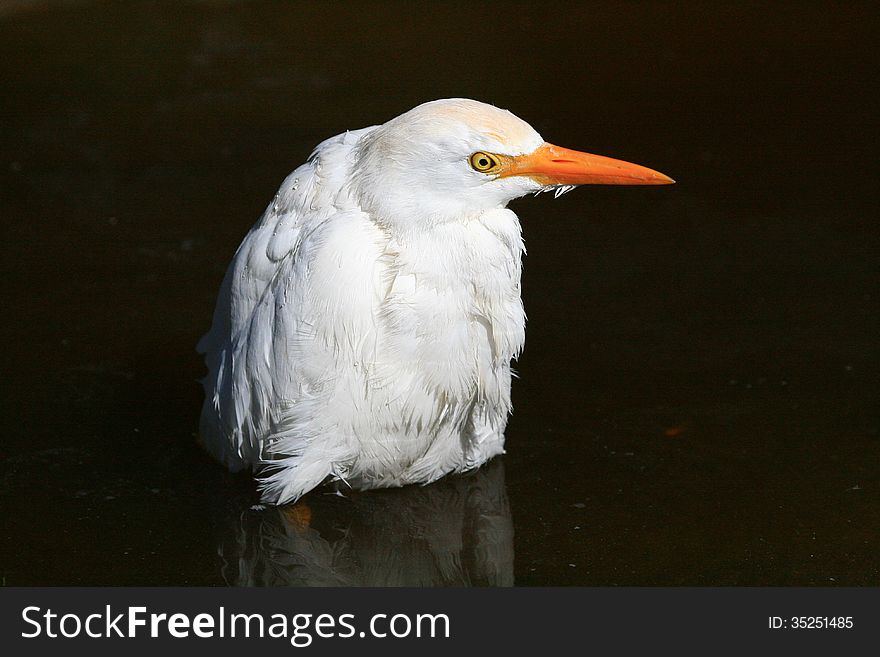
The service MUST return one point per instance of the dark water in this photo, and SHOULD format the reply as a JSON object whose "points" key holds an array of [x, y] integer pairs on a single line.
{"points": [[698, 401]]}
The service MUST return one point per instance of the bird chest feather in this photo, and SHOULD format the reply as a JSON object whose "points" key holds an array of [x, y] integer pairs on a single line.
{"points": [[453, 310]]}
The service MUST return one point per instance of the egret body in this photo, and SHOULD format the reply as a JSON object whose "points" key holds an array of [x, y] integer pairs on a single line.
{"points": [[365, 328]]}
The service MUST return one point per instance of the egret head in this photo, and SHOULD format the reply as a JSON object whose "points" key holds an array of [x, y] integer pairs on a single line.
{"points": [[452, 159]]}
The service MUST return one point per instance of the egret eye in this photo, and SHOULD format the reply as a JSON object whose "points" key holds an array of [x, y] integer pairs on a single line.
{"points": [[484, 162]]}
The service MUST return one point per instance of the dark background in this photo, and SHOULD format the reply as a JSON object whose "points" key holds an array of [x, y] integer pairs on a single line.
{"points": [[698, 401]]}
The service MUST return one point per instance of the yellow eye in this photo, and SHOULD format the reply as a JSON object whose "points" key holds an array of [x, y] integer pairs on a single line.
{"points": [[484, 162]]}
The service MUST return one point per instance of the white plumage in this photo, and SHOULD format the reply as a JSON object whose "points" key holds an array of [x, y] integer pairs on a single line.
{"points": [[365, 328]]}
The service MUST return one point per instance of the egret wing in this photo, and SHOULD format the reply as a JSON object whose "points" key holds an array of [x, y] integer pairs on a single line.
{"points": [[239, 347]]}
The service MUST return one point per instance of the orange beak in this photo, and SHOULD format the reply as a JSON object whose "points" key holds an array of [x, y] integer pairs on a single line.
{"points": [[554, 165]]}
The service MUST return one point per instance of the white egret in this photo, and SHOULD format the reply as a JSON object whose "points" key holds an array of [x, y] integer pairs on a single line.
{"points": [[365, 328]]}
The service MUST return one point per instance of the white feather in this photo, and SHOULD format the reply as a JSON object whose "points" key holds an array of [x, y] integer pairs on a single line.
{"points": [[365, 328]]}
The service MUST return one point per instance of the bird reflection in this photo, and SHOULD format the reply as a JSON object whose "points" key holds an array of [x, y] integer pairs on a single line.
{"points": [[455, 532]]}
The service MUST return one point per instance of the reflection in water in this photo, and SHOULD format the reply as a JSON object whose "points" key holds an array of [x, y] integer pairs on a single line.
{"points": [[456, 532]]}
